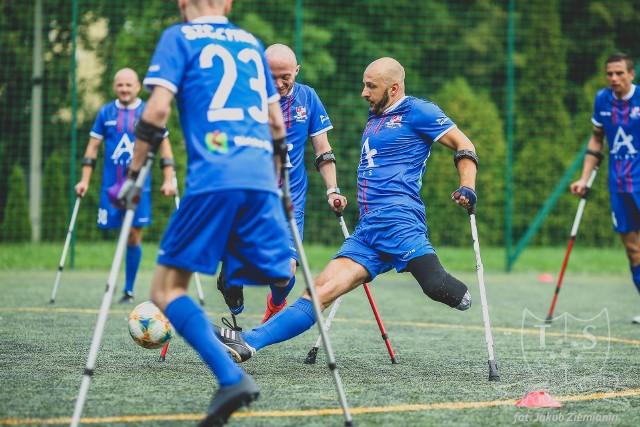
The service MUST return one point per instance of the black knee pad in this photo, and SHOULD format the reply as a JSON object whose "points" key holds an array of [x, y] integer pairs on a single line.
{"points": [[435, 282]]}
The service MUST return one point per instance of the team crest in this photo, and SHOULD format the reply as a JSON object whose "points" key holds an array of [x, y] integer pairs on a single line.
{"points": [[301, 114], [217, 141], [568, 348], [124, 151], [394, 122], [635, 112]]}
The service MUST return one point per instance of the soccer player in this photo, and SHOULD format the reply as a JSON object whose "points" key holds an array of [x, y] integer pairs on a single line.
{"points": [[616, 114], [114, 124], [305, 117], [392, 231], [231, 210]]}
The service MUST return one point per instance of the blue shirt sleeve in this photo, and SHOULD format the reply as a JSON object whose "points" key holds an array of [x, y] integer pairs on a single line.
{"points": [[98, 130], [168, 62], [429, 121], [319, 118]]}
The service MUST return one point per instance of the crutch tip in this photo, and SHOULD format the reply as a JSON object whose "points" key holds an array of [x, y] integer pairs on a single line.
{"points": [[51, 301], [311, 357], [161, 359], [493, 371], [549, 319], [394, 360]]}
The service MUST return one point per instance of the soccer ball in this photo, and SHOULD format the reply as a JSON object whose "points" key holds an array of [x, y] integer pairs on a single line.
{"points": [[148, 327]]}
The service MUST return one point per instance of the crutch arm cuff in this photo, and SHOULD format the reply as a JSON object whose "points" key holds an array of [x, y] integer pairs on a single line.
{"points": [[597, 154], [88, 161]]}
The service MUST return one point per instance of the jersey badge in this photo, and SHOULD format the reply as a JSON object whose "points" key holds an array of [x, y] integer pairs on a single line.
{"points": [[301, 114], [394, 122], [217, 141]]}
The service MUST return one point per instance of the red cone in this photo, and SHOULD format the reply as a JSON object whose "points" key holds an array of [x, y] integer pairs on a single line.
{"points": [[539, 399]]}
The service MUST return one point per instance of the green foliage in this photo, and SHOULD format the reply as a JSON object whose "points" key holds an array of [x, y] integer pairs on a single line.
{"points": [[478, 117], [55, 186], [16, 226]]}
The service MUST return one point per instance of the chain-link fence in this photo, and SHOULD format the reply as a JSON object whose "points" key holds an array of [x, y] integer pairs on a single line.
{"points": [[517, 77]]}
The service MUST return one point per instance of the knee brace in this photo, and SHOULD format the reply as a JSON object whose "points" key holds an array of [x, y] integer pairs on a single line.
{"points": [[437, 284]]}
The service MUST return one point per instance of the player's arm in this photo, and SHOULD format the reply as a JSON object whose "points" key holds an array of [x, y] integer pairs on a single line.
{"points": [[325, 163], [168, 165], [591, 160], [466, 160], [278, 133], [88, 164], [150, 129]]}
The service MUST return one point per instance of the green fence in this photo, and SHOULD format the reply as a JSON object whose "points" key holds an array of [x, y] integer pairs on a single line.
{"points": [[518, 77]]}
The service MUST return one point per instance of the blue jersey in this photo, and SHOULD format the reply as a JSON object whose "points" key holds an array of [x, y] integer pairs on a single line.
{"points": [[114, 125], [620, 119], [304, 116], [222, 87], [393, 153]]}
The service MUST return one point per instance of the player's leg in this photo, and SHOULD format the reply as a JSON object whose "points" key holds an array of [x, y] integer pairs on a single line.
{"points": [[277, 298], [133, 256], [194, 241], [354, 264], [340, 276], [233, 295], [132, 263], [402, 233], [625, 214]]}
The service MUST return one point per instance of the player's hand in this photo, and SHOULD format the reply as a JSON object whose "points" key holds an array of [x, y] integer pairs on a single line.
{"points": [[465, 197], [337, 206], [579, 188], [81, 188], [168, 189], [125, 194]]}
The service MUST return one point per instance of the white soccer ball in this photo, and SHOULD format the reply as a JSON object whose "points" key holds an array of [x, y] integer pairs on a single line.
{"points": [[148, 327]]}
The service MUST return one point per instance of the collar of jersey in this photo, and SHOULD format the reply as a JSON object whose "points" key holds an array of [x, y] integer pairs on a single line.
{"points": [[210, 19], [135, 104], [394, 105], [628, 95]]}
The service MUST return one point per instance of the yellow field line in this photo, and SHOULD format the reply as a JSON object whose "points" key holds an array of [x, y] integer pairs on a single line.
{"points": [[316, 412], [362, 321]]}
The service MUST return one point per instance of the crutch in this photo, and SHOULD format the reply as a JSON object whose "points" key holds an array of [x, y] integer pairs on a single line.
{"points": [[494, 375], [331, 362], [572, 238], [111, 286], [311, 357], [67, 241], [196, 277]]}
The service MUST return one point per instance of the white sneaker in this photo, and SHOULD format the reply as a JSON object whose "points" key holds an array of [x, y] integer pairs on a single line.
{"points": [[636, 320]]}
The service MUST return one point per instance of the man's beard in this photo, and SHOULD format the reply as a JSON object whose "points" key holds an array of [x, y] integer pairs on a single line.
{"points": [[379, 107]]}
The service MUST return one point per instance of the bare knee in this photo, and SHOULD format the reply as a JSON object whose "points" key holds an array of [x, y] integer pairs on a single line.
{"points": [[631, 242]]}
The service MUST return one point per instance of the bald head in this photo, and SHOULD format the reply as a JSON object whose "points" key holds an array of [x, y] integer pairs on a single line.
{"points": [[388, 69], [284, 67], [383, 83], [126, 85]]}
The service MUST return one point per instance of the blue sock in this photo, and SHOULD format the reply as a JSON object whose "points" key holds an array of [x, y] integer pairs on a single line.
{"points": [[192, 323], [278, 294], [132, 262], [285, 325], [635, 273]]}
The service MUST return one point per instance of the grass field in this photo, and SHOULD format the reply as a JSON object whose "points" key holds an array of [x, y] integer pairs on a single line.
{"points": [[588, 359]]}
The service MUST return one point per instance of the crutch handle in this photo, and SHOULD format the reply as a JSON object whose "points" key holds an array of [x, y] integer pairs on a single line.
{"points": [[472, 210], [337, 203]]}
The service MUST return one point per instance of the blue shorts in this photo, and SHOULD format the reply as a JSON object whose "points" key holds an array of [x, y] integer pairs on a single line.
{"points": [[388, 238], [625, 211], [245, 229], [110, 217]]}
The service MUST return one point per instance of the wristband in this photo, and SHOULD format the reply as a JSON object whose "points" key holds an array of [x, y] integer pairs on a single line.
{"points": [[333, 190], [131, 174], [166, 162], [88, 161]]}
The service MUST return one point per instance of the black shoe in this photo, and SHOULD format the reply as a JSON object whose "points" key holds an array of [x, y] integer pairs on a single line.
{"points": [[233, 295], [232, 340], [127, 298], [229, 399]]}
